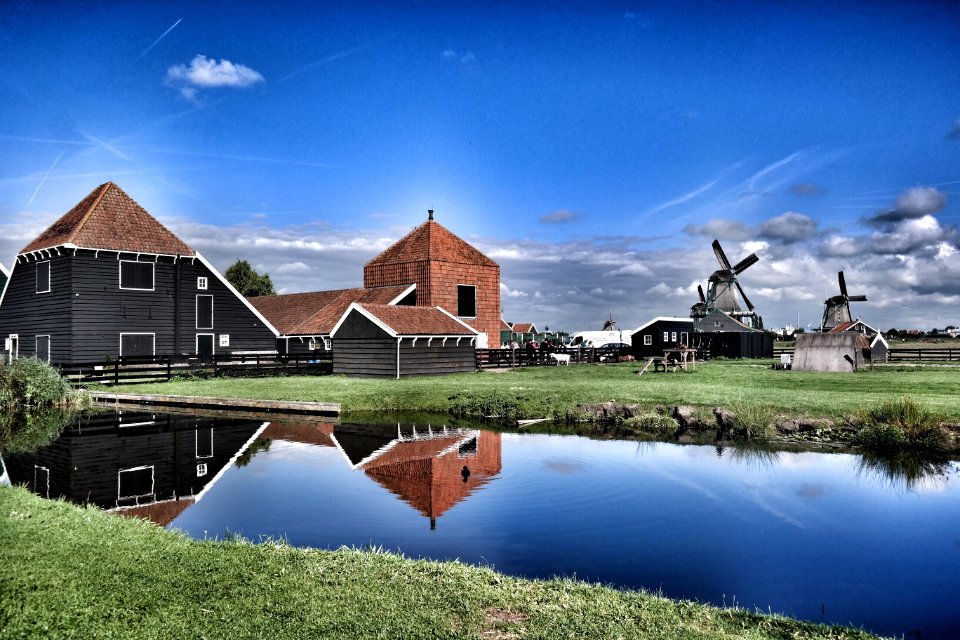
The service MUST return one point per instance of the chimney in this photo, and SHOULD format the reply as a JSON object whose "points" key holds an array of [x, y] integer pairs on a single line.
{"points": [[429, 214]]}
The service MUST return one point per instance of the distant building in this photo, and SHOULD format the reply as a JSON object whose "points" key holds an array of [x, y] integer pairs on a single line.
{"points": [[524, 332], [661, 333], [107, 280]]}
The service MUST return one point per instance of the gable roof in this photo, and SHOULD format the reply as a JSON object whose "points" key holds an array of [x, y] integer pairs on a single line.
{"points": [[856, 325], [317, 312], [524, 327], [505, 326], [663, 319], [110, 219], [431, 241], [409, 321]]}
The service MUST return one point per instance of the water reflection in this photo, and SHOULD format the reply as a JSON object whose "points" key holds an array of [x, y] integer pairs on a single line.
{"points": [[140, 464], [908, 471], [431, 468]]}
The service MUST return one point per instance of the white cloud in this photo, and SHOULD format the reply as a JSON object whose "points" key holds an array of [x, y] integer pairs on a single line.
{"points": [[789, 227], [207, 73], [560, 216]]}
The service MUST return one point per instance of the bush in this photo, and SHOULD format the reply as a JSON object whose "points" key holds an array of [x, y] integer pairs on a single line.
{"points": [[653, 423], [753, 420], [30, 383], [900, 424]]}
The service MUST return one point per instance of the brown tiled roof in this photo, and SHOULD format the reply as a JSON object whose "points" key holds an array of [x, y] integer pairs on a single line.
{"points": [[304, 433], [417, 321], [843, 326], [317, 312], [160, 513], [110, 219], [505, 326], [523, 327], [431, 241]]}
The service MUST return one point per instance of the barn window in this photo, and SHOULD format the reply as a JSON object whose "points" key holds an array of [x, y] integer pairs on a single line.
{"points": [[137, 344], [43, 277], [666, 336], [204, 312], [673, 337], [204, 442], [466, 301], [135, 483], [647, 339], [202, 283], [312, 344], [136, 275], [43, 348]]}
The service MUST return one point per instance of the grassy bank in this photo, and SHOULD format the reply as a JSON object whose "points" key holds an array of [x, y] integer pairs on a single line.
{"points": [[67, 571], [552, 391]]}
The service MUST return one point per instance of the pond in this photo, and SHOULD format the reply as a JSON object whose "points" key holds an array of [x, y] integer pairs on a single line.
{"points": [[821, 537]]}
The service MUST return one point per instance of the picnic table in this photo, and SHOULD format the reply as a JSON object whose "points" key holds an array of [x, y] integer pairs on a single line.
{"points": [[680, 358]]}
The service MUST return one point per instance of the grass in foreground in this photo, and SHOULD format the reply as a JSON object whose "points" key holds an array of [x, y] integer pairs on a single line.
{"points": [[554, 391], [67, 571]]}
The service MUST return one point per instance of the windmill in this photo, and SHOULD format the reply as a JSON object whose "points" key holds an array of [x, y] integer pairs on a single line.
{"points": [[837, 308], [722, 290]]}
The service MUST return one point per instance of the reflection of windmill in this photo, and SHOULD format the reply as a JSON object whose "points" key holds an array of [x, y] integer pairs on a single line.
{"points": [[720, 295], [837, 308]]}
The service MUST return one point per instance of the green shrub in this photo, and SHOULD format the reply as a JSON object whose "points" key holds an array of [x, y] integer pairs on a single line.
{"points": [[754, 420], [31, 383], [653, 423], [900, 424]]}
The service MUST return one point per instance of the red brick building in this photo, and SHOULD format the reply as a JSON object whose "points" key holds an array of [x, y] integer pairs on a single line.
{"points": [[447, 272]]}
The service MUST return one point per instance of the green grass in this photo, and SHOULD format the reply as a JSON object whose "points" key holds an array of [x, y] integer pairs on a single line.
{"points": [[76, 572], [552, 391]]}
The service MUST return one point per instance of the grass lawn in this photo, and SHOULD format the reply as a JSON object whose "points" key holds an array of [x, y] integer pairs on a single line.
{"points": [[67, 571], [550, 391]]}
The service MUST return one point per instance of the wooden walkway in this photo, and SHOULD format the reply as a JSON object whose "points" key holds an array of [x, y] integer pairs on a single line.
{"points": [[292, 407]]}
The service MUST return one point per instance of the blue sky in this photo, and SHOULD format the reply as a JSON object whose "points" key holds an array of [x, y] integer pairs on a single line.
{"points": [[593, 152]]}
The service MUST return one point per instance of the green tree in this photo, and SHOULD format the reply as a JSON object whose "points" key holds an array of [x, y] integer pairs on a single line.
{"points": [[247, 281]]}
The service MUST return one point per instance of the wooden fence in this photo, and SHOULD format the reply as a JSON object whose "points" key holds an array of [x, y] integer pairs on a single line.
{"points": [[901, 354], [505, 358], [132, 370]]}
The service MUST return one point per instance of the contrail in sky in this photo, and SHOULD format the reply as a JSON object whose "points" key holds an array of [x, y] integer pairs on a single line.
{"points": [[157, 41], [37, 190]]}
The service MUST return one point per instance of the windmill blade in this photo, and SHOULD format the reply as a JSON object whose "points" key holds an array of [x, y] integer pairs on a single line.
{"points": [[856, 298], [843, 284], [741, 266], [744, 296], [721, 256], [703, 298]]}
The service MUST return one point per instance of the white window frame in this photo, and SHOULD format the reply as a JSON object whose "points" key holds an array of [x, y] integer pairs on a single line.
{"points": [[647, 339], [153, 276], [201, 469], [196, 444], [673, 336], [202, 283], [196, 310], [213, 340], [46, 473], [14, 352], [138, 333], [153, 482], [476, 307], [312, 344], [36, 346], [666, 336], [49, 277]]}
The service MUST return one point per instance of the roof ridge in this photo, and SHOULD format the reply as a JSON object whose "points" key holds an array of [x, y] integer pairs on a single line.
{"points": [[104, 188]]}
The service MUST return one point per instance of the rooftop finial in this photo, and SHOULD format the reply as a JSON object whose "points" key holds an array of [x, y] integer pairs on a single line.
{"points": [[429, 214]]}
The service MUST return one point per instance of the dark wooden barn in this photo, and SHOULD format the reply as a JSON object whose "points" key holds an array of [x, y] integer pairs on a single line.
{"points": [[108, 280], [661, 333], [398, 341]]}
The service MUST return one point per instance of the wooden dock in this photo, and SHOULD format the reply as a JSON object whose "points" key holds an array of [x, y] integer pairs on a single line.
{"points": [[233, 405]]}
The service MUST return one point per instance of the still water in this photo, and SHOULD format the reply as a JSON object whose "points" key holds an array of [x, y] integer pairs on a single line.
{"points": [[822, 537]]}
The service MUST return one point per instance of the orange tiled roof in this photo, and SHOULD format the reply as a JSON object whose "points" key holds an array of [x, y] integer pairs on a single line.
{"points": [[843, 326], [523, 327], [110, 219], [431, 241], [505, 326], [418, 321], [316, 313], [160, 513]]}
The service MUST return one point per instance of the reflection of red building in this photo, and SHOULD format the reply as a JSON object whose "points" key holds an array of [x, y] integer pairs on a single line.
{"points": [[430, 468], [430, 475]]}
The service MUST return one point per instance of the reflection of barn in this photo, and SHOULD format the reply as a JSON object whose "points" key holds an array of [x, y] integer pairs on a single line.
{"points": [[149, 465], [430, 468]]}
